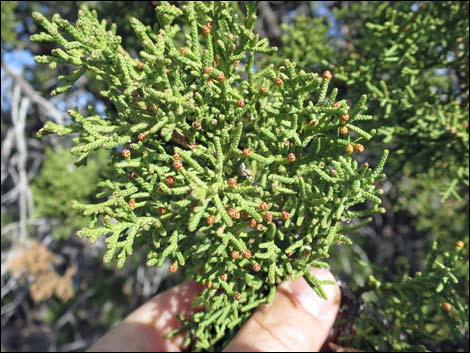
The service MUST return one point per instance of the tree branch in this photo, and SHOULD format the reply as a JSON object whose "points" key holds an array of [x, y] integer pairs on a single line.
{"points": [[46, 107]]}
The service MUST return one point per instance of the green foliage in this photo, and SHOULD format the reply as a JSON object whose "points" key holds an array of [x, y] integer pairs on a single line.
{"points": [[415, 64], [418, 309], [8, 22], [448, 224], [413, 58], [120, 13], [240, 172], [60, 182], [305, 41]]}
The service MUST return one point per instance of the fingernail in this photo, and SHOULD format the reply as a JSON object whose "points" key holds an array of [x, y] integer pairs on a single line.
{"points": [[305, 297]]}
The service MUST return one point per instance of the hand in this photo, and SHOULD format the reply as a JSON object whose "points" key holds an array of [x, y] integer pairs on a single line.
{"points": [[298, 320]]}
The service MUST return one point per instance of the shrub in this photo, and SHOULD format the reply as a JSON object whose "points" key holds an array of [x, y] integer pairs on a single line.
{"points": [[247, 173]]}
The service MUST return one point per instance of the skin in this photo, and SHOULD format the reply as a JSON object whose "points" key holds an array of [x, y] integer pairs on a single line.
{"points": [[297, 320]]}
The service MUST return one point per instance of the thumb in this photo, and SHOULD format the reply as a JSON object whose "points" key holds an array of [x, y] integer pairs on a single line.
{"points": [[298, 320]]}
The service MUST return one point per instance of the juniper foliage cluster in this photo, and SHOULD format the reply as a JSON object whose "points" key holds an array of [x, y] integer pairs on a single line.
{"points": [[418, 78], [413, 58], [241, 175], [424, 311]]}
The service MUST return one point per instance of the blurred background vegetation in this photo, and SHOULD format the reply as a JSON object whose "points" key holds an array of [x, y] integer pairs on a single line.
{"points": [[410, 58]]}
